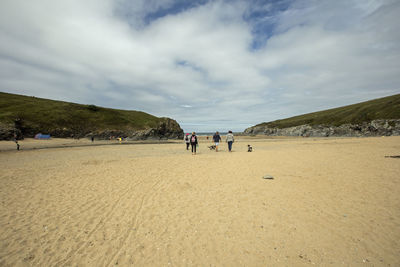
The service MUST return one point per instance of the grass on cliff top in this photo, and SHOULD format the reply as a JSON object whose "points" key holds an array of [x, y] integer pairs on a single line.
{"points": [[382, 108], [51, 114]]}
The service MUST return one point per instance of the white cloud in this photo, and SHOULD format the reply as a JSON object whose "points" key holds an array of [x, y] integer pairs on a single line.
{"points": [[317, 55]]}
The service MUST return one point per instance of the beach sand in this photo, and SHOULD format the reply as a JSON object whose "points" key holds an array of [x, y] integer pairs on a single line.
{"points": [[332, 202]]}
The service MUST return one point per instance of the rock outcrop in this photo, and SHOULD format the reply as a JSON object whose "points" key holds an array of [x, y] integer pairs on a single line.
{"points": [[6, 131], [10, 131], [166, 129], [373, 128]]}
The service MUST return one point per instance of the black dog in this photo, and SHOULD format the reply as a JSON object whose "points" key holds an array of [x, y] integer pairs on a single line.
{"points": [[249, 148]]}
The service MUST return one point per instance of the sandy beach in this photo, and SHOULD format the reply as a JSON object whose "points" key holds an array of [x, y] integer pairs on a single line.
{"points": [[332, 202]]}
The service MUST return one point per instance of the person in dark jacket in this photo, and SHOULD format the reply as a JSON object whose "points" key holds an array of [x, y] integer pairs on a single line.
{"points": [[193, 142], [16, 142], [216, 139]]}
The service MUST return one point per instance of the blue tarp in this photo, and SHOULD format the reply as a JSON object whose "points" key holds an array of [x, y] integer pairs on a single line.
{"points": [[42, 136]]}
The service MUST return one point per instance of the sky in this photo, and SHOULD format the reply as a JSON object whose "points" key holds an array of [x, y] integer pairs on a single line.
{"points": [[210, 65]]}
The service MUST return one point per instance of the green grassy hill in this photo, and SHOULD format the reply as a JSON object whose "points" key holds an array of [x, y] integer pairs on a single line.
{"points": [[382, 108], [34, 115]]}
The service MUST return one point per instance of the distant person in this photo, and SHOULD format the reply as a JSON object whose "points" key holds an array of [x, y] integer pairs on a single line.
{"points": [[92, 139], [216, 139], [193, 142], [230, 140], [187, 141], [16, 142]]}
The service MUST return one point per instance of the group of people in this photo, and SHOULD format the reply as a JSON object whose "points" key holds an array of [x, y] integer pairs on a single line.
{"points": [[191, 140]]}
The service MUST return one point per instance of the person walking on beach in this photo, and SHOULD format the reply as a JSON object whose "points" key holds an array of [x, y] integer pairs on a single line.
{"points": [[230, 140], [187, 141], [216, 139], [193, 142], [16, 142]]}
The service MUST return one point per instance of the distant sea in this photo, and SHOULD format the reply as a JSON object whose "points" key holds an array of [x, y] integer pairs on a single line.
{"points": [[211, 134]]}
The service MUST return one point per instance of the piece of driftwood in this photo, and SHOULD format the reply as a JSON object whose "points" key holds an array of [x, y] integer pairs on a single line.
{"points": [[267, 176]]}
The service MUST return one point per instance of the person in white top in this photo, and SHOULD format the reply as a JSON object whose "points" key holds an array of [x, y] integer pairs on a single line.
{"points": [[230, 140], [187, 141]]}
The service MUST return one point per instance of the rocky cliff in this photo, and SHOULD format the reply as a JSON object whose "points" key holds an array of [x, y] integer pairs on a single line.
{"points": [[373, 128]]}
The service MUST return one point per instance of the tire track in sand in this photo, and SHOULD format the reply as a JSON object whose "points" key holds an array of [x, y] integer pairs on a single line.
{"points": [[100, 223], [134, 221]]}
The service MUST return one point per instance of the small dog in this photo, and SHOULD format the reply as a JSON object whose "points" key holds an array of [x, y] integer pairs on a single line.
{"points": [[211, 147], [249, 148]]}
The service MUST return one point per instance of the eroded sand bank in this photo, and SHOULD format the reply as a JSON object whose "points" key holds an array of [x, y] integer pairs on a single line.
{"points": [[332, 202]]}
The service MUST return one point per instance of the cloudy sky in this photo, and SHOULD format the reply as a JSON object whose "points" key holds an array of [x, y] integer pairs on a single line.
{"points": [[211, 65]]}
